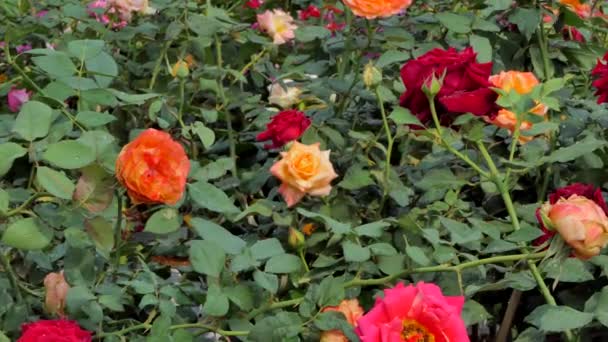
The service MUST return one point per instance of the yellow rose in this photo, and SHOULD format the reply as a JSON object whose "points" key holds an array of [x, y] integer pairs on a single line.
{"points": [[304, 169]]}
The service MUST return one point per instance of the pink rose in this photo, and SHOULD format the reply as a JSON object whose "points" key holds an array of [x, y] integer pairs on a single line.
{"points": [[16, 98], [278, 25], [414, 313], [581, 222]]}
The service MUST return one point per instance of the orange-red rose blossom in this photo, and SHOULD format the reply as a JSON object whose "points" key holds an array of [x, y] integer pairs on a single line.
{"points": [[153, 168], [371, 9]]}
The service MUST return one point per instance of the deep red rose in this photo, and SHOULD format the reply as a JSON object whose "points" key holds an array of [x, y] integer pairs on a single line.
{"points": [[254, 4], [571, 33], [466, 87], [586, 190], [284, 127], [60, 330], [600, 72], [311, 11]]}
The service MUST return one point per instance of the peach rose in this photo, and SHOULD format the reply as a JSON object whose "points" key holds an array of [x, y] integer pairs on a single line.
{"points": [[278, 25], [581, 222], [153, 168], [522, 83], [56, 292], [371, 9], [351, 310], [304, 169]]}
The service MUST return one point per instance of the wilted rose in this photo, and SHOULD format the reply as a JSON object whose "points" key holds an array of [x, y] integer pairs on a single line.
{"points": [[283, 95], [56, 288]]}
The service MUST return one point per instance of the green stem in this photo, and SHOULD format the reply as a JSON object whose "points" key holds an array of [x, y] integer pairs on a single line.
{"points": [[180, 113], [228, 116], [389, 149], [210, 328], [158, 64], [542, 42], [515, 137], [25, 204], [12, 277], [118, 228], [274, 306], [445, 268], [304, 263], [449, 147]]}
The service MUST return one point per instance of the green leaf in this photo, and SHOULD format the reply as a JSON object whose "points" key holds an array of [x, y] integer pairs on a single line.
{"points": [[56, 64], [33, 121], [205, 134], [283, 263], [482, 46], [354, 252], [101, 232], [164, 221], [455, 22], [217, 234], [55, 182], [241, 295], [356, 178], [391, 57], [306, 34], [418, 255], [4, 201], [27, 234], [558, 318], [526, 19], [267, 281], [103, 67], [460, 233], [267, 248], [85, 49], [78, 296], [69, 154], [212, 198], [374, 229], [207, 257], [8, 153], [473, 313], [566, 154], [330, 292], [94, 119], [216, 303], [403, 116], [335, 226]]}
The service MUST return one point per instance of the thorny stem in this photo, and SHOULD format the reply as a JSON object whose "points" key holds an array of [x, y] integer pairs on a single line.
{"points": [[12, 277], [118, 228], [180, 113], [25, 204], [389, 149]]}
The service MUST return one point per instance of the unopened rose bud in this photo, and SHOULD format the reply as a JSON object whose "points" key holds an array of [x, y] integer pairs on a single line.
{"points": [[432, 86], [296, 239], [56, 292], [180, 69], [372, 76]]}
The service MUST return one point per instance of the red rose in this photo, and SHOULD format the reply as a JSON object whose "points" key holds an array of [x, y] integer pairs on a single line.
{"points": [[53, 331], [571, 33], [311, 11], [284, 127], [586, 190], [466, 87], [601, 83]]}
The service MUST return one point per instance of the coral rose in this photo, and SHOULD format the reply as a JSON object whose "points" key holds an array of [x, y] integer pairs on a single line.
{"points": [[153, 168], [278, 25], [351, 310], [522, 83], [56, 292], [600, 72], [54, 330], [371, 9], [586, 190], [581, 223], [414, 313], [283, 95], [465, 88], [287, 126], [304, 169], [16, 98]]}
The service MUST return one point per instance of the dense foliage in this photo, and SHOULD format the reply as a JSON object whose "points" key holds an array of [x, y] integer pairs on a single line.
{"points": [[303, 170]]}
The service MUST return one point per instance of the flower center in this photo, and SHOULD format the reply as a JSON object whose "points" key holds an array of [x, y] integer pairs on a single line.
{"points": [[415, 332]]}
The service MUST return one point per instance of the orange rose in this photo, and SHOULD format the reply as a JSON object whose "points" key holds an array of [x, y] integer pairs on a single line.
{"points": [[522, 83], [351, 310], [371, 9], [583, 10], [581, 223], [304, 169], [56, 292], [153, 168]]}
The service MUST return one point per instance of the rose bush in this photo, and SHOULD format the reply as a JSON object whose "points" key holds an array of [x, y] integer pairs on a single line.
{"points": [[305, 170]]}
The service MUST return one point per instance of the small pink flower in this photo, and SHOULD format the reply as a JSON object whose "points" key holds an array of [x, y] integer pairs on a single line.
{"points": [[278, 25], [414, 313], [42, 14], [23, 48], [16, 98], [254, 4]]}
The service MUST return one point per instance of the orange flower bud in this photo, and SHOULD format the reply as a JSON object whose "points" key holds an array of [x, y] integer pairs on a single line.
{"points": [[56, 292], [351, 310], [180, 69], [153, 168]]}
